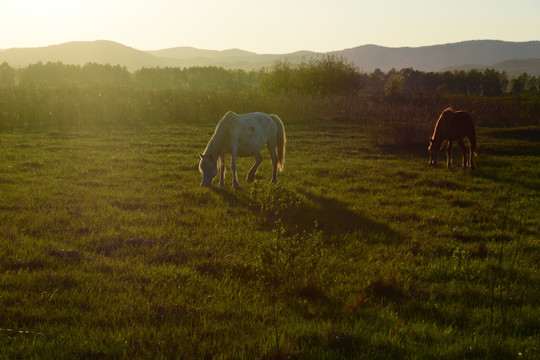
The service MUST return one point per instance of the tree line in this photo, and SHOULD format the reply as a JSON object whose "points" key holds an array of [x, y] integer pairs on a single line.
{"points": [[328, 75]]}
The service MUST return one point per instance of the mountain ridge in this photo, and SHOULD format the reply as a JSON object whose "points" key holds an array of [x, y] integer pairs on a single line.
{"points": [[80, 53], [442, 56], [511, 57]]}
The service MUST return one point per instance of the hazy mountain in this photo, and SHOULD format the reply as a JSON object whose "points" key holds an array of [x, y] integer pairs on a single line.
{"points": [[229, 59], [80, 53], [438, 57], [109, 52], [512, 57], [191, 52]]}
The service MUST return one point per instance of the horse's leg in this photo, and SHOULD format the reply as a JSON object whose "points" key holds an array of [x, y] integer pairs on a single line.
{"points": [[233, 167], [463, 154], [471, 158], [449, 153], [253, 170], [433, 157], [273, 156], [472, 163], [222, 170]]}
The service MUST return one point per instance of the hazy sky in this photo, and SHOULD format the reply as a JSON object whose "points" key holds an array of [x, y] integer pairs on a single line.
{"points": [[271, 26]]}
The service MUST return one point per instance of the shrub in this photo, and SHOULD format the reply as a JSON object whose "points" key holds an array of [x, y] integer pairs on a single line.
{"points": [[328, 75]]}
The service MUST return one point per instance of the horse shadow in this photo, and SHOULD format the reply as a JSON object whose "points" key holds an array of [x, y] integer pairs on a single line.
{"points": [[309, 212], [417, 151], [335, 219], [531, 134]]}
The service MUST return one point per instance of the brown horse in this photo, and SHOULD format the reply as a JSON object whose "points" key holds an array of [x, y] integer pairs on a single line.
{"points": [[453, 126]]}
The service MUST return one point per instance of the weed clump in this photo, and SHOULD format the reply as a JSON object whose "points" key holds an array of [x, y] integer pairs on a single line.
{"points": [[380, 290], [274, 204]]}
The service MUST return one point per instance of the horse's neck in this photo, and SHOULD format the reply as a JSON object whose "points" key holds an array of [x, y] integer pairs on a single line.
{"points": [[436, 131], [441, 128], [215, 145], [213, 148]]}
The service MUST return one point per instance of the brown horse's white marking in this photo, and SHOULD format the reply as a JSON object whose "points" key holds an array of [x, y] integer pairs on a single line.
{"points": [[243, 135], [453, 126]]}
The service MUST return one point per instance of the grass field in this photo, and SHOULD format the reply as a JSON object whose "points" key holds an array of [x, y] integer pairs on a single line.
{"points": [[109, 248]]}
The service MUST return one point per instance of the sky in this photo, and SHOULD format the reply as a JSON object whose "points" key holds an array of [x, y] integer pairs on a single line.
{"points": [[271, 26]]}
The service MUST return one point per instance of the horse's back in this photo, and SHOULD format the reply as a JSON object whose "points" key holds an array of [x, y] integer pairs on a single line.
{"points": [[259, 123], [253, 131], [456, 126], [462, 117], [254, 117]]}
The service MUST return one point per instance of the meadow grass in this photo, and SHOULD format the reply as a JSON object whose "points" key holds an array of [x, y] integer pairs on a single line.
{"points": [[109, 248]]}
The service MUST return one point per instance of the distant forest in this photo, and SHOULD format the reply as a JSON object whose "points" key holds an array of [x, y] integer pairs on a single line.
{"points": [[330, 75], [404, 103]]}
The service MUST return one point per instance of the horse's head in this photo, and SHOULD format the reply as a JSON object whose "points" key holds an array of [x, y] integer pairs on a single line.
{"points": [[208, 168]]}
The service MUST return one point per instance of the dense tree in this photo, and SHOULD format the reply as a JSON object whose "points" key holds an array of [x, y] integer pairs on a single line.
{"points": [[91, 74], [394, 83], [7, 74], [494, 83], [524, 84], [328, 75], [322, 76]]}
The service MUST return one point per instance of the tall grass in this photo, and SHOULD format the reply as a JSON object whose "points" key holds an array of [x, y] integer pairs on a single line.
{"points": [[392, 120]]}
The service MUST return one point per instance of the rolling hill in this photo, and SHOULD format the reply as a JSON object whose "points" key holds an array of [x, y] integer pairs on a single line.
{"points": [[80, 53], [233, 58], [512, 57], [482, 53]]}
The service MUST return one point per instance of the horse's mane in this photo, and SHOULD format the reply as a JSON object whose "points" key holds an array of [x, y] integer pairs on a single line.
{"points": [[448, 110], [221, 132], [445, 112]]}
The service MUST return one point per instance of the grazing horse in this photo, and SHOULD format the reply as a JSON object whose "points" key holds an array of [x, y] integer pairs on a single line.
{"points": [[453, 126], [243, 135]]}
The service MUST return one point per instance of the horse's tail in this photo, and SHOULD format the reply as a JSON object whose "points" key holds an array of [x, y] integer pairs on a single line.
{"points": [[281, 141], [472, 137]]}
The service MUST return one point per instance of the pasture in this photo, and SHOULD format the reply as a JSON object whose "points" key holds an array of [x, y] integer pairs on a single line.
{"points": [[110, 249]]}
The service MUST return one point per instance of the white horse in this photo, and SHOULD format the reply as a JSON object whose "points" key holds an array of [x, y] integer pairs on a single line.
{"points": [[243, 135]]}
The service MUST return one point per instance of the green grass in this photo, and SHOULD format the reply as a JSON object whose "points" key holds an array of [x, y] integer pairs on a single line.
{"points": [[109, 248]]}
